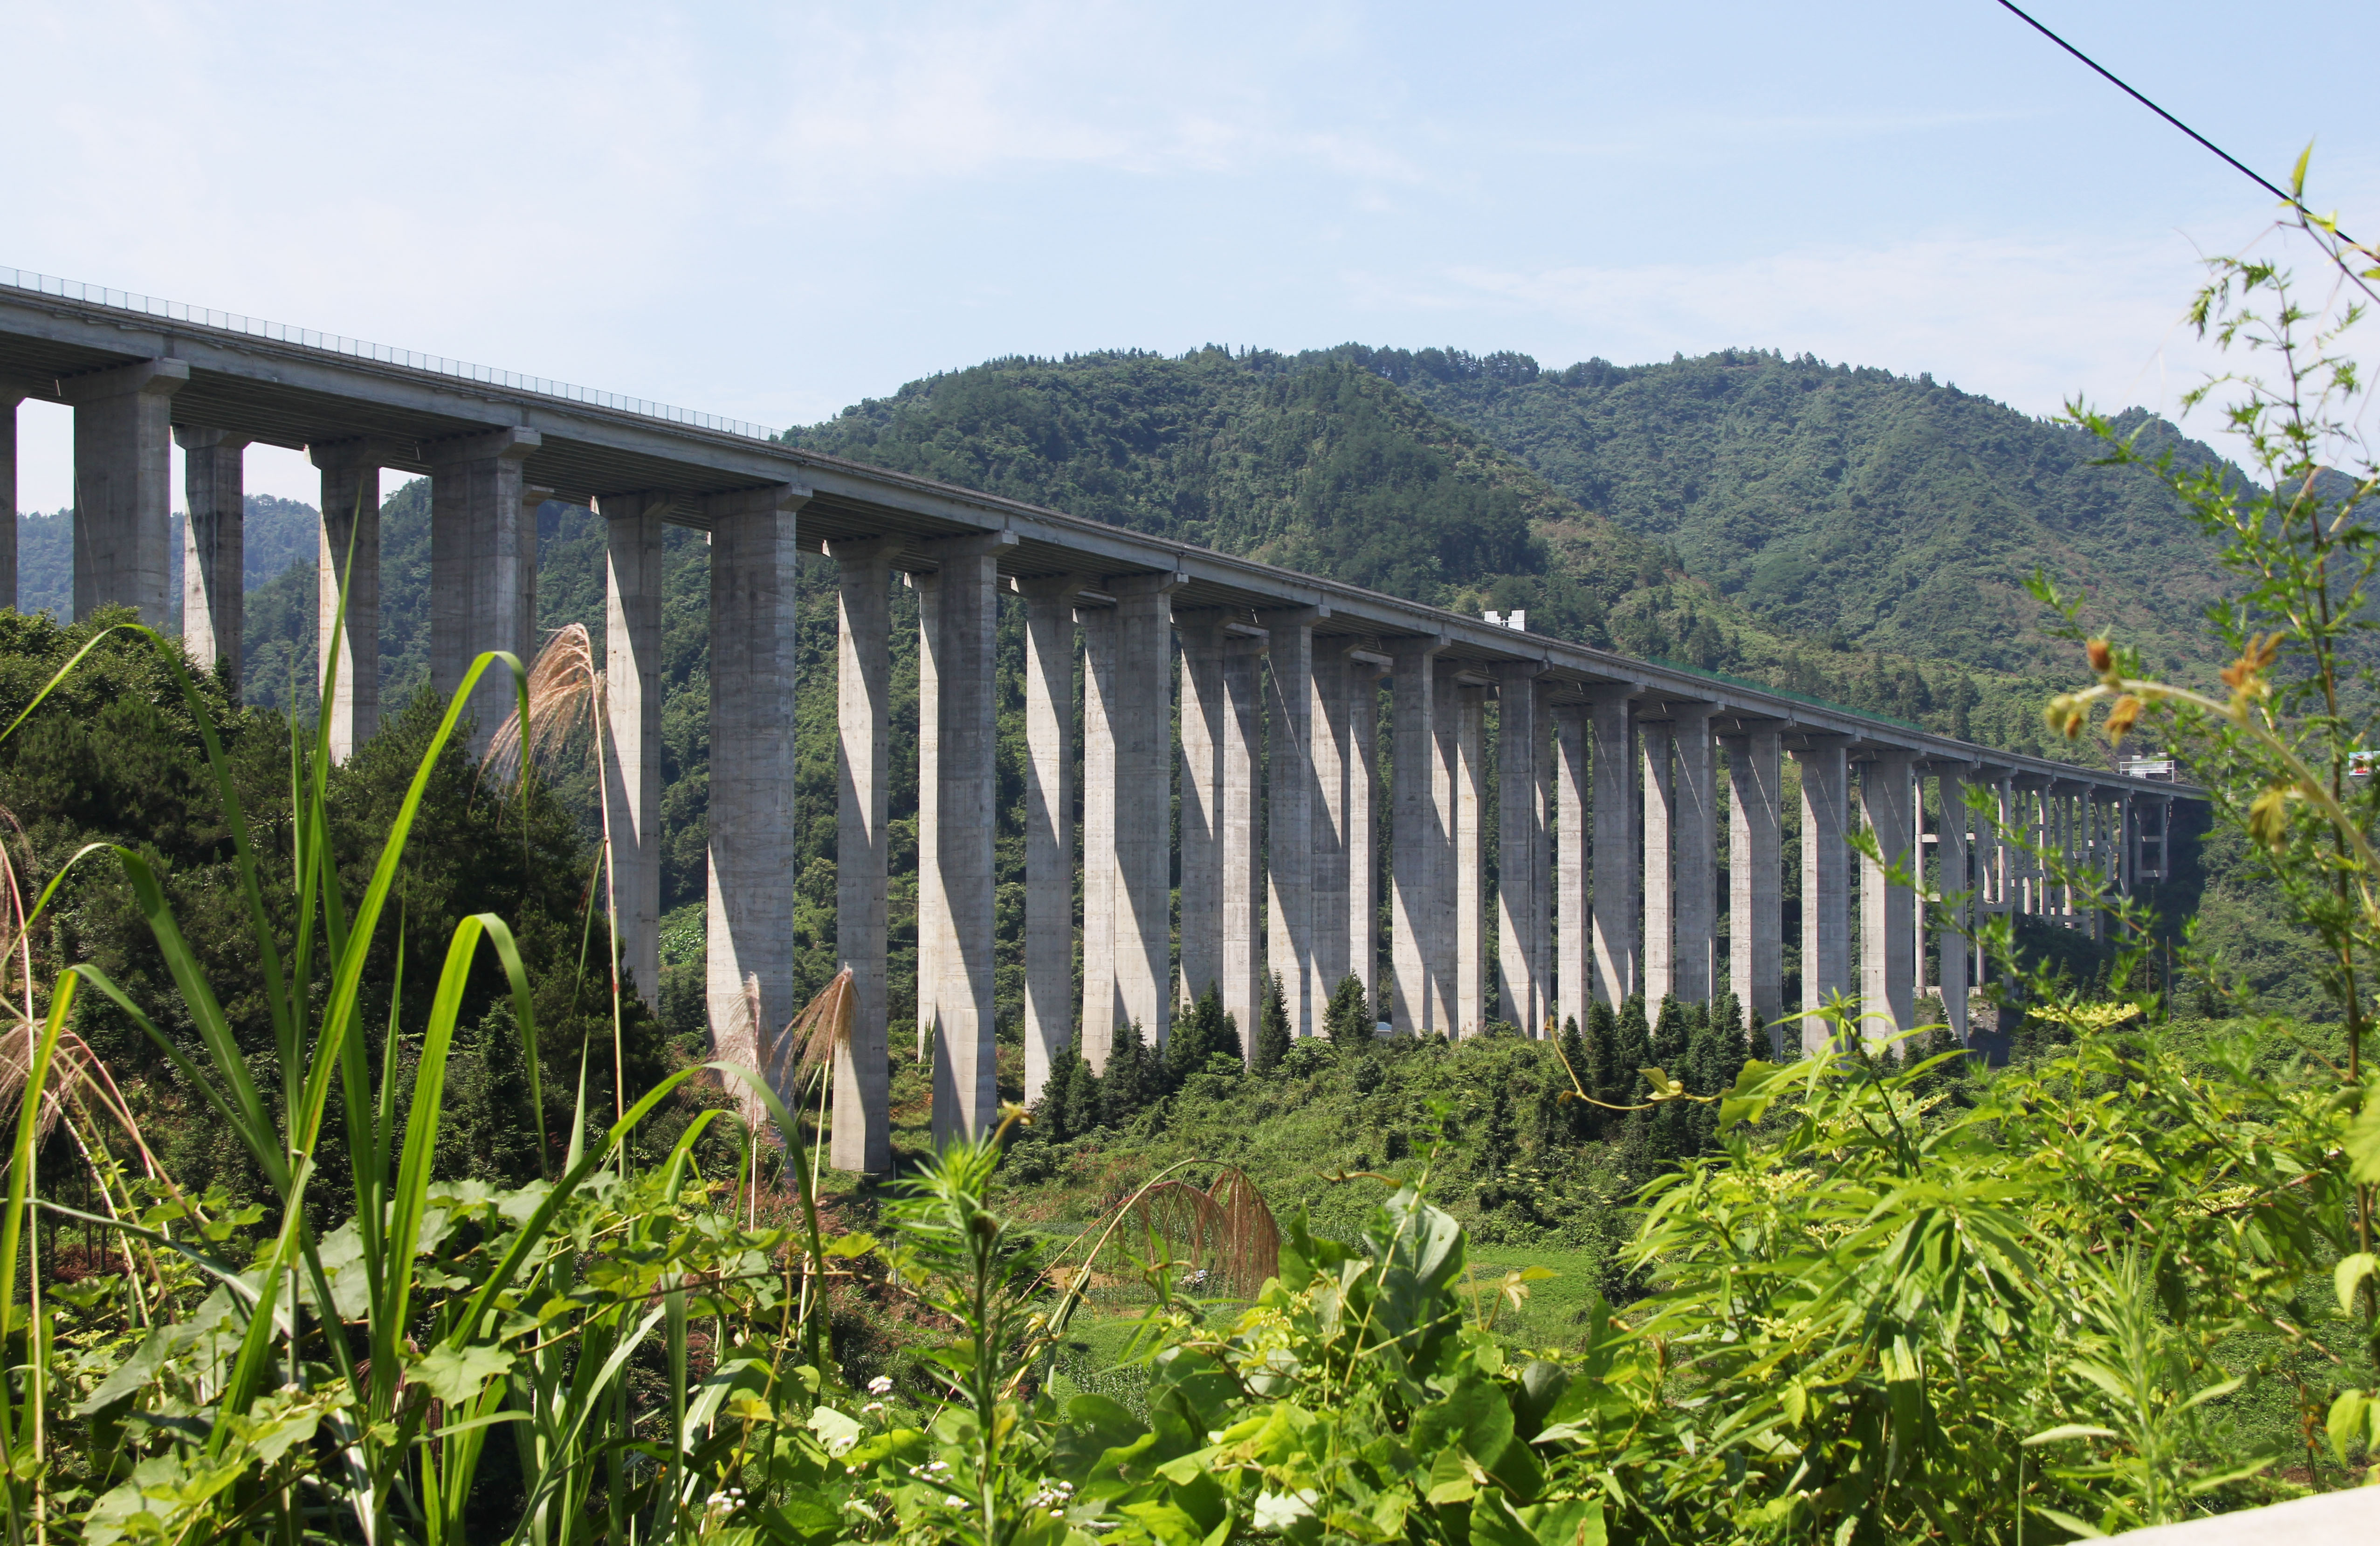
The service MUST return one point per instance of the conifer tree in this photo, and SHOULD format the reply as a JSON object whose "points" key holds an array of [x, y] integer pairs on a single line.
{"points": [[1578, 1117], [1671, 1030], [1080, 1107], [1635, 1040], [1050, 1110], [1272, 1031], [1348, 1020], [1602, 1074], [1127, 1086]]}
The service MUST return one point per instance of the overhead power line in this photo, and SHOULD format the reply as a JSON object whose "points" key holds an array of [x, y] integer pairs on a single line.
{"points": [[2109, 76]]}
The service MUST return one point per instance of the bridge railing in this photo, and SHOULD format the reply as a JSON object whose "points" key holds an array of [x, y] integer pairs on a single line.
{"points": [[256, 327]]}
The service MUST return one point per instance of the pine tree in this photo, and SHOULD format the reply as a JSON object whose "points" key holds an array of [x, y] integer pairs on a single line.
{"points": [[1272, 1031], [1670, 1032], [1127, 1086], [1635, 1040], [1050, 1110], [1080, 1107], [1348, 1020], [1602, 1074], [1578, 1117]]}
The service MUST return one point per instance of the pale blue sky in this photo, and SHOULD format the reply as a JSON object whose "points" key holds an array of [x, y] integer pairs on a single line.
{"points": [[771, 211]]}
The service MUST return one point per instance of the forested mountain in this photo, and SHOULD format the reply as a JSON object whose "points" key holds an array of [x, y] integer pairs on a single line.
{"points": [[1896, 514]]}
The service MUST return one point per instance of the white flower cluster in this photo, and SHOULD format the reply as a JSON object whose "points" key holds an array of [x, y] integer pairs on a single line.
{"points": [[881, 1385], [724, 1503], [1053, 1497]]}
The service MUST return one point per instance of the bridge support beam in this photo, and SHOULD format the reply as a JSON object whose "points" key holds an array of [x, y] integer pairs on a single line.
{"points": [[1953, 886], [1573, 966], [1465, 762], [482, 567], [1696, 803], [1049, 824], [1363, 767], [1826, 886], [1660, 940], [1521, 853], [632, 697], [1618, 882], [212, 547], [124, 494], [958, 612], [749, 975], [9, 401], [1327, 756], [1755, 880], [1240, 847], [1289, 911], [1144, 802], [1418, 838], [1887, 961], [350, 547], [863, 1128]]}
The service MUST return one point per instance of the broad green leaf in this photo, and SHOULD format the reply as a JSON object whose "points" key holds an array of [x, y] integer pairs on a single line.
{"points": [[2348, 1275], [2068, 1431], [2347, 1414], [457, 1375]]}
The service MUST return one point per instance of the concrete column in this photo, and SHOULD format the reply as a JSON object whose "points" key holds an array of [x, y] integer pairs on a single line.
{"points": [[1695, 838], [1203, 638], [632, 700], [1618, 884], [750, 974], [123, 485], [1100, 685], [1888, 802], [1362, 822], [1467, 762], [1660, 940], [1417, 839], [1289, 814], [350, 547], [482, 567], [9, 401], [1522, 857], [1755, 878], [212, 532], [1241, 845], [958, 610], [1326, 755], [1050, 823], [1573, 949], [1143, 727], [1826, 886], [1957, 911], [863, 1123]]}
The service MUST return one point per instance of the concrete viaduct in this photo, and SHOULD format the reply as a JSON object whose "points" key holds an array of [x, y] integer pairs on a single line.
{"points": [[1607, 802]]}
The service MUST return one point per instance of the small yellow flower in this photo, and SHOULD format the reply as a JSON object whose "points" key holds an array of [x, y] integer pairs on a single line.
{"points": [[2268, 817], [2121, 718], [2103, 657]]}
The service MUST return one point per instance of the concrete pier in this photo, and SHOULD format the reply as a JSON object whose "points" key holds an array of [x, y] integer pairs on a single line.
{"points": [[1522, 854], [632, 703], [1289, 814], [1050, 823], [1466, 764], [958, 610], [350, 547], [123, 485], [1417, 915], [1241, 847], [1327, 756], [213, 547], [1660, 806], [1887, 959], [863, 776], [1101, 685], [9, 401], [1755, 879], [1201, 893], [1695, 851], [1954, 886], [1825, 886], [1363, 686], [749, 972], [482, 567], [1573, 949], [1142, 723], [1614, 909]]}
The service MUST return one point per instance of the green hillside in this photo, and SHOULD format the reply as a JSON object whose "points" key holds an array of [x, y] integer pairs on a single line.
{"points": [[1902, 515]]}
